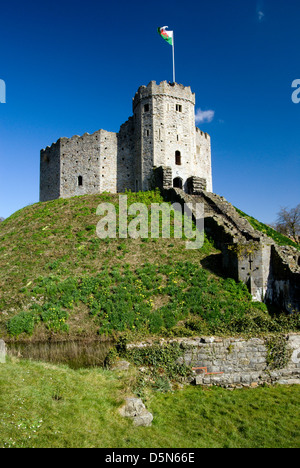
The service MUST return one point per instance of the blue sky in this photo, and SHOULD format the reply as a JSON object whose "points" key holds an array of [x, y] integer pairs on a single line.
{"points": [[72, 67]]}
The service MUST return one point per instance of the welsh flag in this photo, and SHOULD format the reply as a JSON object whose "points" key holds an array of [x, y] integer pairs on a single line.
{"points": [[166, 35]]}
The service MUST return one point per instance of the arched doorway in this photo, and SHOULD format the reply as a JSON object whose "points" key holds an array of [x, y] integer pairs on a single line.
{"points": [[177, 183]]}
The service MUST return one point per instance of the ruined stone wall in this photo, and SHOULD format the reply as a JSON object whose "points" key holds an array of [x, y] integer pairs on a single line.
{"points": [[284, 279], [237, 361], [272, 273], [50, 172], [163, 178]]}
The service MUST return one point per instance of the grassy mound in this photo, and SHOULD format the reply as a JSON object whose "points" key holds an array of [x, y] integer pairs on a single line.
{"points": [[280, 239], [57, 278]]}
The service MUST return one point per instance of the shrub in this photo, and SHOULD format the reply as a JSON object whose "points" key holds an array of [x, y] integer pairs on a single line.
{"points": [[55, 318], [161, 358], [24, 322], [278, 354]]}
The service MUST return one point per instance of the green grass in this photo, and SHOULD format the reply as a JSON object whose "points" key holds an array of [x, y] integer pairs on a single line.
{"points": [[57, 278], [44, 406], [280, 239], [58, 239], [147, 300]]}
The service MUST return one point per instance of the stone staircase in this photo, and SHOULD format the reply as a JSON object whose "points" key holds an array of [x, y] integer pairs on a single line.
{"points": [[271, 272]]}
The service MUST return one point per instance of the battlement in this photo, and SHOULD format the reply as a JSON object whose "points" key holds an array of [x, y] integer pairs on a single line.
{"points": [[160, 132], [53, 146], [74, 138], [202, 134], [173, 90]]}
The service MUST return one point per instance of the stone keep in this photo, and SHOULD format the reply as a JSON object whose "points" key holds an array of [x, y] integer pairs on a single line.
{"points": [[160, 134]]}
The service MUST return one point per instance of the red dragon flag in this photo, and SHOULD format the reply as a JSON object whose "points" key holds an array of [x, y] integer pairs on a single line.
{"points": [[166, 35]]}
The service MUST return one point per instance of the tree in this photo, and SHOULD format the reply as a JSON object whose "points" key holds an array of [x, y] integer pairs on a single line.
{"points": [[1, 219], [288, 222]]}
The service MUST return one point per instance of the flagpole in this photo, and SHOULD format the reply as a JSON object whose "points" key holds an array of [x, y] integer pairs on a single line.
{"points": [[168, 36], [173, 59]]}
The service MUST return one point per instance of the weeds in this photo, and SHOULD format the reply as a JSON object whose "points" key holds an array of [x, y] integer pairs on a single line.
{"points": [[151, 299]]}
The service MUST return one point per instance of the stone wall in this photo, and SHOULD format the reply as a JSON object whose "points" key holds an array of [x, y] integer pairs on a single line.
{"points": [[108, 161], [164, 115], [80, 158], [161, 132], [202, 159], [196, 185], [89, 164], [143, 109], [236, 361], [163, 178], [50, 173], [2, 352], [285, 278], [126, 161]]}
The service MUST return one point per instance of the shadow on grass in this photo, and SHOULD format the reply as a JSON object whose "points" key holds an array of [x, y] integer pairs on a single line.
{"points": [[214, 264]]}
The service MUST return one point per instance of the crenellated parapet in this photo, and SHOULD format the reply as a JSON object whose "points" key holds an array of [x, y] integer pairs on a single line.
{"points": [[51, 147], [202, 135], [171, 90], [161, 132], [74, 139]]}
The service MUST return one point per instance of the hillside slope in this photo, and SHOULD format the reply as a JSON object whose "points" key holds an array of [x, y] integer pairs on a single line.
{"points": [[58, 279], [280, 239]]}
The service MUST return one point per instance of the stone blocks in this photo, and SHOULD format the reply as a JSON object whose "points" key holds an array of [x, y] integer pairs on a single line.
{"points": [[161, 132], [234, 362], [2, 352], [135, 409]]}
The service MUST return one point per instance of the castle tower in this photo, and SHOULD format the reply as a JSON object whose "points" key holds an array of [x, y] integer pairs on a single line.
{"points": [[165, 135], [161, 134]]}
